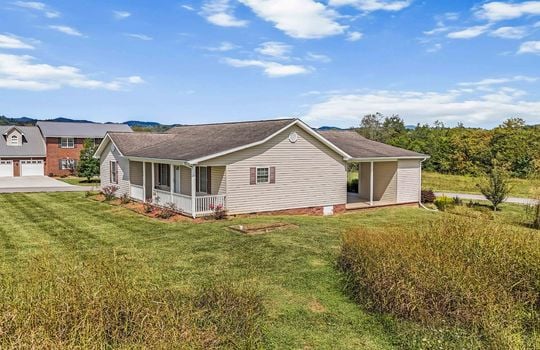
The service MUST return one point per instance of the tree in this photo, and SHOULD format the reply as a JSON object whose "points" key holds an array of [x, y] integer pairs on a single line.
{"points": [[88, 165], [496, 188], [371, 126]]}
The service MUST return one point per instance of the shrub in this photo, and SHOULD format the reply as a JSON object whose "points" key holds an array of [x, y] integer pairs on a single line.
{"points": [[427, 196], [457, 201], [167, 211], [443, 203], [97, 305], [148, 207], [496, 188], [125, 199], [109, 192], [218, 211], [477, 275]]}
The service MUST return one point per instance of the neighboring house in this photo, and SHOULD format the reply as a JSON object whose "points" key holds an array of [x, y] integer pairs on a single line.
{"points": [[64, 142], [22, 151], [260, 166]]}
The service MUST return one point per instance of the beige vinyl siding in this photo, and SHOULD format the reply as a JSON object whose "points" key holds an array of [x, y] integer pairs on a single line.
{"points": [[385, 181], [19, 138], [136, 173], [123, 170], [218, 180], [363, 180], [408, 181], [308, 174]]}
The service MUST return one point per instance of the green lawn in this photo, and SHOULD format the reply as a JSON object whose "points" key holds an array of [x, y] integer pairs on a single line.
{"points": [[293, 269], [80, 181], [467, 184]]}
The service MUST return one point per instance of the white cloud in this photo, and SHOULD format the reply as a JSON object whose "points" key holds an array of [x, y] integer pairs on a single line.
{"points": [[66, 30], [187, 7], [509, 32], [434, 48], [271, 69], [469, 33], [38, 6], [530, 47], [9, 41], [450, 106], [220, 13], [304, 19], [437, 30], [121, 14], [139, 36], [354, 36], [274, 49], [499, 11], [310, 56], [497, 81], [223, 47], [20, 72], [373, 5]]}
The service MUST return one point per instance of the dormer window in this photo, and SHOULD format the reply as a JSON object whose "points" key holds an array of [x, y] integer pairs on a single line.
{"points": [[14, 140]]}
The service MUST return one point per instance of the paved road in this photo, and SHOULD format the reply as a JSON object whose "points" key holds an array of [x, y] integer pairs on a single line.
{"points": [[38, 184], [479, 197]]}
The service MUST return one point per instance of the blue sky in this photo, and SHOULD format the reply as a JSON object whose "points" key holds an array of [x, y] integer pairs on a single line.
{"points": [[328, 62]]}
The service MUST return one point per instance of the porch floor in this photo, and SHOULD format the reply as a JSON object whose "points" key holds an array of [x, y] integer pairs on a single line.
{"points": [[354, 201]]}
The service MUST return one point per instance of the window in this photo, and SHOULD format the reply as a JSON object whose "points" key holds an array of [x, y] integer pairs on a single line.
{"points": [[263, 175], [67, 142], [114, 172], [202, 181], [67, 164], [162, 177], [177, 179], [14, 140]]}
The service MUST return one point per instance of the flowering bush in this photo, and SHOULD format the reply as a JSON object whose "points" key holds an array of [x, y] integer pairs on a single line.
{"points": [[167, 211], [109, 192], [218, 211]]}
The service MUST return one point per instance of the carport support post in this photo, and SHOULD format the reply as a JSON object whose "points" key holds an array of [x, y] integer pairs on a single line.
{"points": [[193, 191], [144, 181], [371, 185]]}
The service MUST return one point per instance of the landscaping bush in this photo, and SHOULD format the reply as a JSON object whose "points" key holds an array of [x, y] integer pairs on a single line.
{"points": [[218, 211], [443, 203], [148, 207], [96, 305], [477, 275], [167, 211], [109, 192], [124, 199], [427, 196]]}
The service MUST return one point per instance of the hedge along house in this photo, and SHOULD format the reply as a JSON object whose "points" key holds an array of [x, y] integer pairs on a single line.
{"points": [[251, 167]]}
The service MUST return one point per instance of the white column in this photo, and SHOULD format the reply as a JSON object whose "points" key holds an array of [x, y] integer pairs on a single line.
{"points": [[193, 191], [153, 181], [371, 185], [144, 181], [171, 181]]}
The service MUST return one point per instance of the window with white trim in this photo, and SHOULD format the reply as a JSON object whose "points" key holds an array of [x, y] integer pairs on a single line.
{"points": [[14, 140], [113, 172], [67, 164], [163, 174], [202, 173], [263, 175], [67, 142]]}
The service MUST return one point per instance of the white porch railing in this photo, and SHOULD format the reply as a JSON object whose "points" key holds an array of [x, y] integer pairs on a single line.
{"points": [[204, 204], [136, 192], [182, 202]]}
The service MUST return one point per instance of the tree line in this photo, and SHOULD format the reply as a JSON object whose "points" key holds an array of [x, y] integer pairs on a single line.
{"points": [[513, 145]]}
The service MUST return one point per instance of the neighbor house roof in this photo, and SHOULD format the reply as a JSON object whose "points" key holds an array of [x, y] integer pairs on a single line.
{"points": [[359, 147], [33, 145], [191, 142], [79, 130]]}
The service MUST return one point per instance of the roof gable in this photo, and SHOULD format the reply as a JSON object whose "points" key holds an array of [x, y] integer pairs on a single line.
{"points": [[31, 145]]}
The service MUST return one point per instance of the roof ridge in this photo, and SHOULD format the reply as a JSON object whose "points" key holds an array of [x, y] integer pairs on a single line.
{"points": [[238, 122]]}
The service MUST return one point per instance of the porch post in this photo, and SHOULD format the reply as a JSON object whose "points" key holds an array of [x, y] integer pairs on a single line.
{"points": [[144, 181], [171, 181], [193, 191], [153, 181], [371, 185]]}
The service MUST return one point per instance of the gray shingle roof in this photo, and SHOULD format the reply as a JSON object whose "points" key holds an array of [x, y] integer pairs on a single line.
{"points": [[358, 146], [33, 146], [196, 141], [79, 130]]}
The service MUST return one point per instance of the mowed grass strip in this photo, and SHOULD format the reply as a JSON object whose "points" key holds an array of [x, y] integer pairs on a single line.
{"points": [[292, 270]]}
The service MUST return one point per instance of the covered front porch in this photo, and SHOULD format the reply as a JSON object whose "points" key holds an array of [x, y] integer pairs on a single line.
{"points": [[371, 184], [193, 190]]}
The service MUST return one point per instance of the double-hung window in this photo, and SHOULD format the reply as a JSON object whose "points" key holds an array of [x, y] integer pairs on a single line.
{"points": [[67, 142], [113, 172], [202, 173], [263, 175], [14, 140], [67, 164], [163, 174]]}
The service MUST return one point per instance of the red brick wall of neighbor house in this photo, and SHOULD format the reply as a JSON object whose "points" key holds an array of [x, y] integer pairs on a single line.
{"points": [[55, 153]]}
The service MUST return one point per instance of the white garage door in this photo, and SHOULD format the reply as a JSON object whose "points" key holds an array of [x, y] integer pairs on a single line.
{"points": [[6, 168], [32, 168]]}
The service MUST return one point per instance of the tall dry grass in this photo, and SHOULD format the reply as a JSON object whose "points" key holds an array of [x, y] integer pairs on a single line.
{"points": [[55, 304], [474, 274]]}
